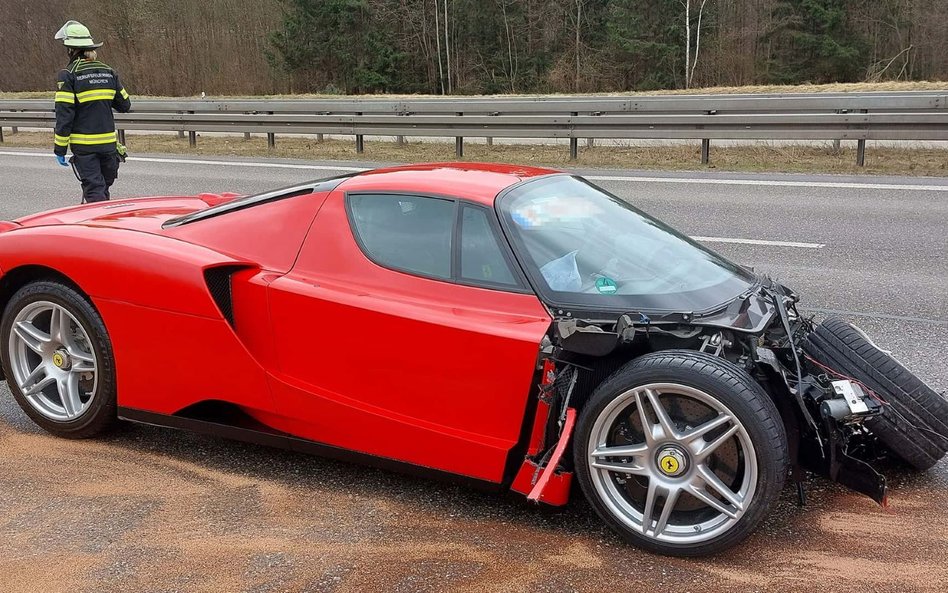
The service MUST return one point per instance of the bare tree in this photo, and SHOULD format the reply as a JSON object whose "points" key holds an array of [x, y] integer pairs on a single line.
{"points": [[579, 20], [438, 37], [447, 45], [690, 64], [511, 60]]}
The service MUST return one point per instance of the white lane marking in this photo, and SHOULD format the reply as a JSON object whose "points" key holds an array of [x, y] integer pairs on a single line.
{"points": [[334, 168], [221, 163], [761, 242], [770, 182], [691, 180], [248, 164]]}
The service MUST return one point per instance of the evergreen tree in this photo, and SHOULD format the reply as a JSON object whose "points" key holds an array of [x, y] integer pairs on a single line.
{"points": [[814, 43], [644, 46], [335, 44]]}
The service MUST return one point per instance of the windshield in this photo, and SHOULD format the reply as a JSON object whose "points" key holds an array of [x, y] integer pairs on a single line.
{"points": [[585, 247]]}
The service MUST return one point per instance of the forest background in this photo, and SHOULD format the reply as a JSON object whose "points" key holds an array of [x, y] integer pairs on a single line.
{"points": [[264, 47]]}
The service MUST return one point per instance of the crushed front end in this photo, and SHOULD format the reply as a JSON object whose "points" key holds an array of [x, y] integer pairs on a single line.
{"points": [[825, 412]]}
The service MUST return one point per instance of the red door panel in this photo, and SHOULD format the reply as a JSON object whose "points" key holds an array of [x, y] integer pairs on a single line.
{"points": [[399, 366]]}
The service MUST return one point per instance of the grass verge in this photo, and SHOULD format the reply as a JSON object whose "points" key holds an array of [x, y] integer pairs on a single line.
{"points": [[839, 87], [751, 157]]}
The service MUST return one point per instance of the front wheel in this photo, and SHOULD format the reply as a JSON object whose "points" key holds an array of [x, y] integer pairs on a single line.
{"points": [[681, 453], [58, 360]]}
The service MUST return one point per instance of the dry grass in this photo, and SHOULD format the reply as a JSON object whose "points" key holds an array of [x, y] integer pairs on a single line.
{"points": [[752, 157], [861, 87]]}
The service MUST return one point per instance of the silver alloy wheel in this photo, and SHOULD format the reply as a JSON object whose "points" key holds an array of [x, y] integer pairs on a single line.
{"points": [[676, 461], [53, 361]]}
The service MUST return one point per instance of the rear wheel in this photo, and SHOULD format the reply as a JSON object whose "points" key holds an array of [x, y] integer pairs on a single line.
{"points": [[681, 453], [58, 360]]}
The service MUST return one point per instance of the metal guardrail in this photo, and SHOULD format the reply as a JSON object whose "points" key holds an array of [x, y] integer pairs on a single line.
{"points": [[920, 116]]}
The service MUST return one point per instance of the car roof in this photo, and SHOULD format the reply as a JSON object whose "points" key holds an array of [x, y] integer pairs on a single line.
{"points": [[478, 182]]}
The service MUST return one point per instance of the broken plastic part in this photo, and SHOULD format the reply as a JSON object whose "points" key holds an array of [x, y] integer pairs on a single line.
{"points": [[551, 466], [555, 493], [592, 340]]}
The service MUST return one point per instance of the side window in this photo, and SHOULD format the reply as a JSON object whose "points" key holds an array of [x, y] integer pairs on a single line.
{"points": [[408, 233], [482, 258]]}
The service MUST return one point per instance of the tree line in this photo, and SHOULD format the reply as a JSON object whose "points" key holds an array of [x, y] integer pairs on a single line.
{"points": [[252, 47]]}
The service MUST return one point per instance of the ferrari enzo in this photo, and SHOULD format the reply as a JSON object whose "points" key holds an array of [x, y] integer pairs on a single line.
{"points": [[512, 327]]}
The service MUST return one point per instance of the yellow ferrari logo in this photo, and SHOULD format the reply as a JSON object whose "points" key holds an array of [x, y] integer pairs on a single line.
{"points": [[58, 360], [670, 464]]}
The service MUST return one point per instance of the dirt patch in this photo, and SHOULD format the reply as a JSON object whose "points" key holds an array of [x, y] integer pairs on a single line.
{"points": [[158, 510]]}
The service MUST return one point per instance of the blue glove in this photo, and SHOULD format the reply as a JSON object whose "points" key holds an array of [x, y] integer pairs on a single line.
{"points": [[62, 160]]}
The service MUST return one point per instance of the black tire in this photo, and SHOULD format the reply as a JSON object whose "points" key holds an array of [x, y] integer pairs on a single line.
{"points": [[914, 425], [736, 391], [101, 413]]}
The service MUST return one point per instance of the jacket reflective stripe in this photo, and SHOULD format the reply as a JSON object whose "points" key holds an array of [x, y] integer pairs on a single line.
{"points": [[84, 65], [96, 95], [61, 140], [93, 138], [123, 93], [65, 97]]}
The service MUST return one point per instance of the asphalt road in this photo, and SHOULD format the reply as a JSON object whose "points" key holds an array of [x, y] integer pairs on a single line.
{"points": [[150, 509]]}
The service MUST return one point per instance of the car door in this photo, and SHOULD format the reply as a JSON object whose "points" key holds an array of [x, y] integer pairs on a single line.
{"points": [[406, 331]]}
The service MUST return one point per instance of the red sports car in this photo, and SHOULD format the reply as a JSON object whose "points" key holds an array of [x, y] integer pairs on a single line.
{"points": [[509, 326]]}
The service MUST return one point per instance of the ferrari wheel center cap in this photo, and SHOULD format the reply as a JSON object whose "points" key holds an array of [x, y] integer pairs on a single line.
{"points": [[671, 461], [61, 360]]}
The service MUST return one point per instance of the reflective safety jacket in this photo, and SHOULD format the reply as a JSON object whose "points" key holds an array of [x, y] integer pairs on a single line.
{"points": [[87, 91]]}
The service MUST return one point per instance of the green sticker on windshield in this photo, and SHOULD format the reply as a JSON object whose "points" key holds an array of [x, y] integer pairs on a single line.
{"points": [[606, 285]]}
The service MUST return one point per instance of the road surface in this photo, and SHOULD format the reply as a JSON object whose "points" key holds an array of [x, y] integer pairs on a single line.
{"points": [[149, 509]]}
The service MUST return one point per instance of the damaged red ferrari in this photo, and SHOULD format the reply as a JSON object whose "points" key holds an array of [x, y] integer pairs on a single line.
{"points": [[512, 327]]}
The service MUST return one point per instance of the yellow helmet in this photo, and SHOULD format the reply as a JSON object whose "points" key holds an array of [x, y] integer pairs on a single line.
{"points": [[75, 34]]}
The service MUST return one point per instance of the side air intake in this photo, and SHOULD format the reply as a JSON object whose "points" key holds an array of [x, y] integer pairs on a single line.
{"points": [[219, 285]]}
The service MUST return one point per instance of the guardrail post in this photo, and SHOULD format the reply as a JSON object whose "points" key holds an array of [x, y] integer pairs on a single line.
{"points": [[271, 136], [490, 141], [861, 146], [400, 140], [360, 141], [121, 136], [705, 151], [246, 135], [459, 142], [590, 142], [192, 136], [1, 134], [573, 143], [319, 138]]}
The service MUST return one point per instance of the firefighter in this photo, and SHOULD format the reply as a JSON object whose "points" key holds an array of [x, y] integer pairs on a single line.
{"points": [[87, 92]]}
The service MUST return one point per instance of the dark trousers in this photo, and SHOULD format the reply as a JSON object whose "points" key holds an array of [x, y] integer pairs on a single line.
{"points": [[97, 171]]}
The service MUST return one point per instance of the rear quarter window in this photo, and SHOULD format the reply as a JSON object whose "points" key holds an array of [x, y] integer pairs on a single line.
{"points": [[407, 233]]}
